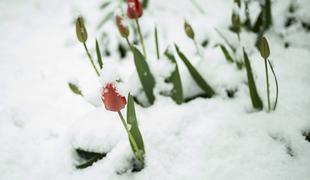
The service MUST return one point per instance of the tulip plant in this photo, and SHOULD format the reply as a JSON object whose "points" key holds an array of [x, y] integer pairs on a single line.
{"points": [[115, 102], [265, 52], [81, 33], [145, 76], [135, 11], [191, 34]]}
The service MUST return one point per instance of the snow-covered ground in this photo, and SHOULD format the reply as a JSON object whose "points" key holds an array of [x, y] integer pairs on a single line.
{"points": [[42, 121]]}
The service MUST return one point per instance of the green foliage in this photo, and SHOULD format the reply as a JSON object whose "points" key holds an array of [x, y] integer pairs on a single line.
{"points": [[175, 79], [264, 19], [105, 5], [109, 15], [99, 58], [75, 89], [156, 43], [145, 3], [88, 158], [134, 131], [228, 57], [247, 22], [258, 23], [195, 74], [256, 101], [145, 75]]}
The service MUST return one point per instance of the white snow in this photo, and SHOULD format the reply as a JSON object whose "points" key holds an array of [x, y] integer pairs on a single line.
{"points": [[42, 121]]}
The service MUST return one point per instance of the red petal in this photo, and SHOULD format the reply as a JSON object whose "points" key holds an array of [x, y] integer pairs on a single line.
{"points": [[135, 9], [112, 100]]}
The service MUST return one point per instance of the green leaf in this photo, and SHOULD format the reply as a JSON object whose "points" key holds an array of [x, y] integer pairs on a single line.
{"points": [[256, 101], [258, 23], [134, 130], [175, 79], [264, 19], [156, 43], [195, 74], [145, 3], [268, 15], [107, 17], [144, 73], [105, 5], [88, 158], [247, 22], [226, 40], [226, 53], [75, 89], [99, 59]]}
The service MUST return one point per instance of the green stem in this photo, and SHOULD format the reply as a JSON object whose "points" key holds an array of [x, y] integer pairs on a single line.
{"points": [[277, 86], [267, 82], [141, 37], [127, 40], [156, 43], [131, 138], [238, 34], [226, 40], [198, 7], [197, 48], [91, 59]]}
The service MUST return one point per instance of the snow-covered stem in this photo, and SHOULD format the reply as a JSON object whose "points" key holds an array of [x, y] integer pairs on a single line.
{"points": [[141, 37], [197, 48], [91, 59]]}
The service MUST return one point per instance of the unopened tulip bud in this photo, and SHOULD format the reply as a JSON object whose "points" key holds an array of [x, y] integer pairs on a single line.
{"points": [[81, 31], [124, 31], [189, 30], [235, 20], [264, 48]]}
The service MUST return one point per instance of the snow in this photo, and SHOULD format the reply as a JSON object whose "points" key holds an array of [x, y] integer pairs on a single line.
{"points": [[42, 121]]}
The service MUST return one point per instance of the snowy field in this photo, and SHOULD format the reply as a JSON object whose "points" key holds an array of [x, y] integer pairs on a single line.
{"points": [[42, 122]]}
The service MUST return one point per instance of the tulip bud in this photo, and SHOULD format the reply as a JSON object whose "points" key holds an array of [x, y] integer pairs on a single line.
{"points": [[135, 9], [124, 31], [264, 48], [235, 20], [189, 30], [81, 31]]}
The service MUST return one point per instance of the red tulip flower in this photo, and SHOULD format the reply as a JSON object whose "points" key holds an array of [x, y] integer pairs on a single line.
{"points": [[112, 100], [135, 9]]}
